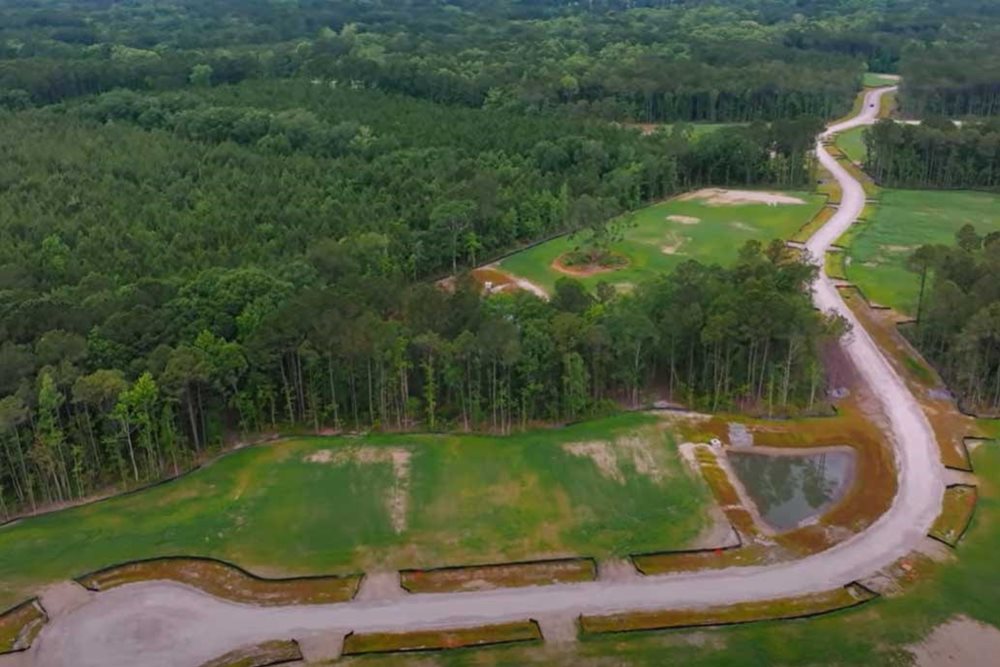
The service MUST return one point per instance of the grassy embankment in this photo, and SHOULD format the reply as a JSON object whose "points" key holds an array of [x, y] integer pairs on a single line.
{"points": [[904, 220], [874, 634], [852, 144], [654, 243], [277, 652], [20, 625], [433, 640], [342, 505]]}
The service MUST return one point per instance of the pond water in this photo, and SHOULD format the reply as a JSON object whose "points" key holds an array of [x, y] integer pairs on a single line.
{"points": [[791, 488]]}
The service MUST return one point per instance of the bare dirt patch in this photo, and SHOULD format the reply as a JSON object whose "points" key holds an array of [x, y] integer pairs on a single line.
{"points": [[398, 498], [684, 219], [960, 641], [609, 456], [322, 456], [584, 270], [720, 197], [640, 451], [673, 244], [601, 453]]}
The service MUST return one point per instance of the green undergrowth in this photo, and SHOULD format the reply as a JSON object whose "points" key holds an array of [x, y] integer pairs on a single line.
{"points": [[341, 505], [874, 634]]}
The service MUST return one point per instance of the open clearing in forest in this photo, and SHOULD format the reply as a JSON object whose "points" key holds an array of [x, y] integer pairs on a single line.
{"points": [[708, 225], [853, 145], [872, 79], [957, 602], [342, 505], [904, 220]]}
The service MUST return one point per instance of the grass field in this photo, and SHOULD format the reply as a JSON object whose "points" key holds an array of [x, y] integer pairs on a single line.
{"points": [[339, 505], [655, 243], [852, 144], [875, 634], [871, 79], [903, 220]]}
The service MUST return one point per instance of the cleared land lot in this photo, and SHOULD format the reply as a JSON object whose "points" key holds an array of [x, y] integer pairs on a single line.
{"points": [[872, 79], [904, 220], [340, 505], [882, 632], [705, 228]]}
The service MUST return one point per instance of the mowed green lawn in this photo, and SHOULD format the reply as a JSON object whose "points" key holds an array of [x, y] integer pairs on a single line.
{"points": [[874, 634], [871, 79], [904, 220], [328, 505], [655, 244], [853, 145]]}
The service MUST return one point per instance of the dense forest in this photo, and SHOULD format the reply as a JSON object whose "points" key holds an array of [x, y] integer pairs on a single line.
{"points": [[652, 60], [958, 324], [227, 217], [934, 154], [366, 353]]}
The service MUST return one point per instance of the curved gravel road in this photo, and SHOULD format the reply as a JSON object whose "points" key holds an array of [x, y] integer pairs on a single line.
{"points": [[163, 624]]}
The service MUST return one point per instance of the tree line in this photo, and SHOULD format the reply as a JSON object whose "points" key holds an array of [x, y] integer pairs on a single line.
{"points": [[958, 319], [934, 154], [371, 352]]}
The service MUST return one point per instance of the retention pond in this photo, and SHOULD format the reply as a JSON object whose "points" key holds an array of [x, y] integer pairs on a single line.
{"points": [[791, 488]]}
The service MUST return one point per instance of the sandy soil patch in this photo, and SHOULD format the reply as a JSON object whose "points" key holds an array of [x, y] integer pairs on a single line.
{"points": [[643, 458], [897, 248], [495, 279], [322, 456], [529, 286], [742, 226], [601, 453], [720, 197], [609, 456], [960, 641], [398, 498], [684, 219], [673, 244]]}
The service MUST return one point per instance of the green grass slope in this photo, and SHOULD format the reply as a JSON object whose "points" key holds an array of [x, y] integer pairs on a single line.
{"points": [[875, 634], [904, 220], [715, 238], [853, 145], [295, 507]]}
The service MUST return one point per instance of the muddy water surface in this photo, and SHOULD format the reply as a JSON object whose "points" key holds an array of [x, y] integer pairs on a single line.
{"points": [[790, 489]]}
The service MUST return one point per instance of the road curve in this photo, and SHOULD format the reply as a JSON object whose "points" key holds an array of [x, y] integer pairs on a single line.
{"points": [[163, 624]]}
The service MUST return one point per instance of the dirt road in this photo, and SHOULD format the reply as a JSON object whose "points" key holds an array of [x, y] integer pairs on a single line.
{"points": [[161, 624]]}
